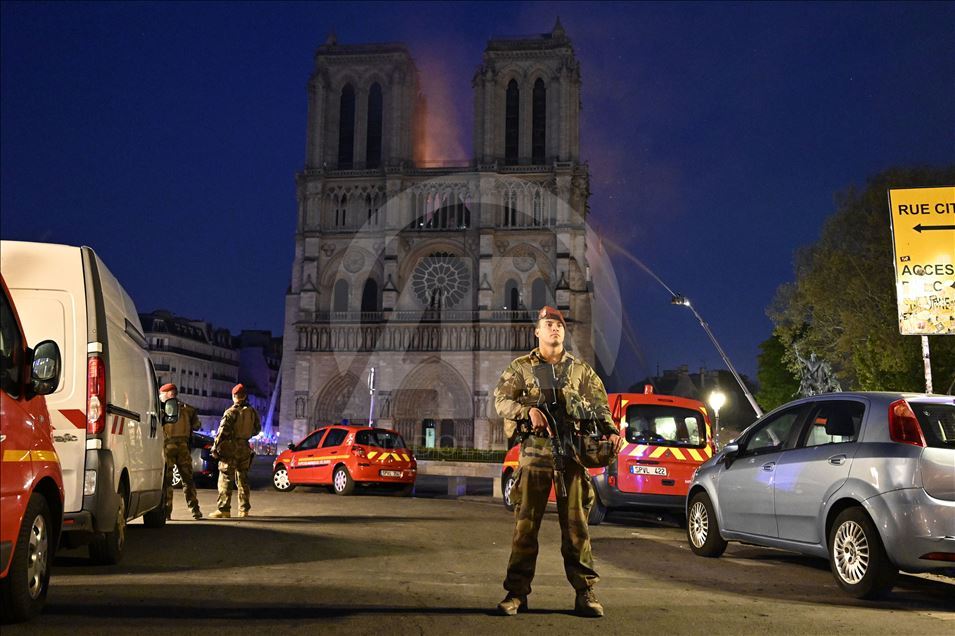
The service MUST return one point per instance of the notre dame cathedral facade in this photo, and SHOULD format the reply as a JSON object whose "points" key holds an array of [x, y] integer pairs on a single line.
{"points": [[432, 274]]}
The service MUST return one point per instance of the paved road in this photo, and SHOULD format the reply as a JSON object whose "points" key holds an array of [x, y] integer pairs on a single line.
{"points": [[372, 564]]}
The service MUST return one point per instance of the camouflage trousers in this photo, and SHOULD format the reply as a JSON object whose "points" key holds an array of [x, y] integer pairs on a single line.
{"points": [[178, 454], [532, 486], [235, 469]]}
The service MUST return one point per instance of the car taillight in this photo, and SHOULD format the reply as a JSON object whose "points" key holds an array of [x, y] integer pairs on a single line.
{"points": [[95, 396], [358, 450], [903, 425]]}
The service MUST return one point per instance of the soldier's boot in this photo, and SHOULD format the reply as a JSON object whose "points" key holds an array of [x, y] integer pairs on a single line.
{"points": [[196, 513], [220, 514], [588, 605], [243, 513], [512, 604]]}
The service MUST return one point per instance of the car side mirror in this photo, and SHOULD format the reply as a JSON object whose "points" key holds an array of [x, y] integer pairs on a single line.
{"points": [[170, 411], [730, 451], [291, 445], [45, 368]]}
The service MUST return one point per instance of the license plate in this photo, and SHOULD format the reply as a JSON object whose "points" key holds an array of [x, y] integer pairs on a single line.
{"points": [[660, 471], [391, 473]]}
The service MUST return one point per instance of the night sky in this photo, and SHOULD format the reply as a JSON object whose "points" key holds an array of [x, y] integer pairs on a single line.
{"points": [[166, 136]]}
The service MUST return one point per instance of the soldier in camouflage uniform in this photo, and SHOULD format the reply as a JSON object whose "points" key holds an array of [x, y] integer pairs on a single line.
{"points": [[581, 403], [239, 423], [177, 452]]}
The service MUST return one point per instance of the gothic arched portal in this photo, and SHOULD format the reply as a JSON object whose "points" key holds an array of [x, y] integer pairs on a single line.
{"points": [[333, 401], [434, 395]]}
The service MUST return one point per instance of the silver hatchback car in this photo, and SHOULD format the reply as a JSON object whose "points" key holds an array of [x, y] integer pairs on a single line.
{"points": [[865, 480]]}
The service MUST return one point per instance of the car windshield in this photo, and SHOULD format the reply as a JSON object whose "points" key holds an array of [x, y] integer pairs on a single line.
{"points": [[662, 425], [381, 439], [938, 423]]}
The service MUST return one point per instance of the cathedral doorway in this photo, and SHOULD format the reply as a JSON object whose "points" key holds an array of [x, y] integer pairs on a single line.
{"points": [[433, 408]]}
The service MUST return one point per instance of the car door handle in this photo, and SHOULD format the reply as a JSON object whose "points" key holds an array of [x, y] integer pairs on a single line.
{"points": [[837, 460], [768, 467]]}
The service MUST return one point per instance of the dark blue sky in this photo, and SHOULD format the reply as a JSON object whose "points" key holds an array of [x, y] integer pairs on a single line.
{"points": [[166, 136]]}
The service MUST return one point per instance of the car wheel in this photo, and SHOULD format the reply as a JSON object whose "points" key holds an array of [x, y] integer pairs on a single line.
{"points": [[702, 529], [857, 556], [507, 488], [406, 491], [280, 479], [342, 482], [107, 548], [598, 512], [176, 477], [28, 579]]}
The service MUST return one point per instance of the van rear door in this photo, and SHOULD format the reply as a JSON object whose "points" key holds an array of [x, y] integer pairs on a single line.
{"points": [[46, 282]]}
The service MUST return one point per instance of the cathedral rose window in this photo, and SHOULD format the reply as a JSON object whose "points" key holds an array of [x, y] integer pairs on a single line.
{"points": [[440, 280]]}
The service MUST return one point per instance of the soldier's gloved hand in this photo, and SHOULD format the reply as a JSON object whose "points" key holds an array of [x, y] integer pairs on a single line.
{"points": [[538, 419], [618, 443]]}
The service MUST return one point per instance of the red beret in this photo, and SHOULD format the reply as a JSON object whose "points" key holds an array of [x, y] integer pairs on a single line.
{"points": [[551, 313], [168, 387], [238, 389]]}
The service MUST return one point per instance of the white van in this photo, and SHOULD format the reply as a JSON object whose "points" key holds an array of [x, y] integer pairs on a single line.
{"points": [[105, 413]]}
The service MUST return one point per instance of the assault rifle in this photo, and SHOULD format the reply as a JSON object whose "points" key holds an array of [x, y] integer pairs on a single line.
{"points": [[547, 378]]}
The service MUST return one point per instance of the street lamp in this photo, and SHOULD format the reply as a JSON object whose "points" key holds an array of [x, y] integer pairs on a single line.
{"points": [[717, 399], [683, 300]]}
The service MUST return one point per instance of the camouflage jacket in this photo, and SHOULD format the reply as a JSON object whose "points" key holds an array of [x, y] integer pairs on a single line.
{"points": [[582, 396], [182, 428], [239, 423]]}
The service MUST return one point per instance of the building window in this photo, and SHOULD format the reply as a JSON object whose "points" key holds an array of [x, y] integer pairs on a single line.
{"points": [[512, 116], [346, 128], [373, 145], [372, 206], [512, 297], [539, 122], [340, 212], [538, 294], [369, 296], [341, 296], [510, 208]]}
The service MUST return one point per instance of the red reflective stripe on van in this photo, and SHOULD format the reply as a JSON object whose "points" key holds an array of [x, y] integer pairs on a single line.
{"points": [[75, 417], [119, 423]]}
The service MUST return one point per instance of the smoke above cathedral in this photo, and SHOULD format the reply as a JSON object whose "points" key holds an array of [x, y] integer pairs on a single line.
{"points": [[445, 112]]}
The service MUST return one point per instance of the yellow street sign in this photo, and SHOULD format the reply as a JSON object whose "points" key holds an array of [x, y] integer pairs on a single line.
{"points": [[923, 245]]}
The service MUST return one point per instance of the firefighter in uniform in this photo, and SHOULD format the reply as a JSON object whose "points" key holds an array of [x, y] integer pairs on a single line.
{"points": [[581, 400], [177, 451], [231, 447]]}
